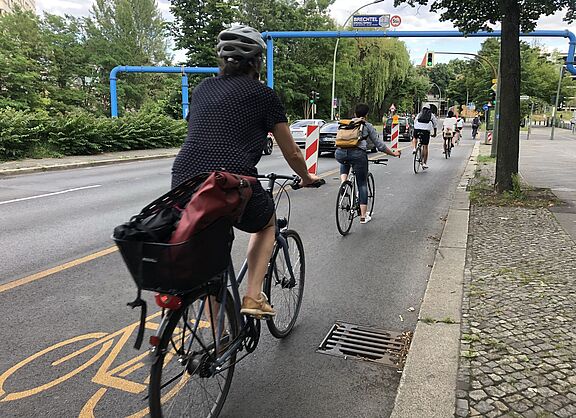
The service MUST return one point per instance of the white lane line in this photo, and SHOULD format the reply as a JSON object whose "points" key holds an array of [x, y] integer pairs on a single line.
{"points": [[50, 194]]}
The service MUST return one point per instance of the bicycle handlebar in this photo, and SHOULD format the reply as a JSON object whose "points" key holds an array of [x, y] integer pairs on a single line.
{"points": [[379, 161], [316, 184], [295, 180]]}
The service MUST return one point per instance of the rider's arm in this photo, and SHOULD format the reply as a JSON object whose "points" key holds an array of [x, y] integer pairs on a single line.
{"points": [[379, 143], [292, 153]]}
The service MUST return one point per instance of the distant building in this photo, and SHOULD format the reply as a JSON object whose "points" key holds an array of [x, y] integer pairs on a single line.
{"points": [[7, 6]]}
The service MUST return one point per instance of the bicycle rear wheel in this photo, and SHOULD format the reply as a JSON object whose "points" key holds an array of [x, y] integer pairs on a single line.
{"points": [[417, 159], [183, 381], [446, 147], [344, 207], [371, 193], [285, 291]]}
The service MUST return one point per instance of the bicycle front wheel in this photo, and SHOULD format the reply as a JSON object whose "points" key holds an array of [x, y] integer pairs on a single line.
{"points": [[344, 207], [183, 379], [371, 193], [417, 159], [284, 290]]}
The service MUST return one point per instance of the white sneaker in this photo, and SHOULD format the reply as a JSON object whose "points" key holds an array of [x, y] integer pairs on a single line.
{"points": [[367, 219], [424, 166]]}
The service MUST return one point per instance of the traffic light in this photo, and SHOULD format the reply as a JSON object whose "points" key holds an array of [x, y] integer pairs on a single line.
{"points": [[312, 96], [429, 59], [317, 96], [493, 97]]}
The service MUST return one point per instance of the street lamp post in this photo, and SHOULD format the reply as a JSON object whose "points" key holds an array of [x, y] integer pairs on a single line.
{"points": [[440, 97], [336, 51], [556, 101]]}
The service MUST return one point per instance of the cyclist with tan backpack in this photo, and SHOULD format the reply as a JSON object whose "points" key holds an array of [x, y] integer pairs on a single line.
{"points": [[351, 148]]}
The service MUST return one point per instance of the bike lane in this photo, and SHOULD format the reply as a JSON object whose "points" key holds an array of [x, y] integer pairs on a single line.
{"points": [[79, 323]]}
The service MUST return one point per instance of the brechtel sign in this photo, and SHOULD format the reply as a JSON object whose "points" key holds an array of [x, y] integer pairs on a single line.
{"points": [[371, 21]]}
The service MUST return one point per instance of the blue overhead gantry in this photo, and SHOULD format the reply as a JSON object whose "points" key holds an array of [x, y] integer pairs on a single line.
{"points": [[150, 69], [270, 36]]}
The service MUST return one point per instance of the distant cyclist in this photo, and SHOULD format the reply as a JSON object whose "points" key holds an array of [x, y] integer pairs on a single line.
{"points": [[459, 127], [230, 117], [424, 124], [475, 126], [449, 127], [358, 159]]}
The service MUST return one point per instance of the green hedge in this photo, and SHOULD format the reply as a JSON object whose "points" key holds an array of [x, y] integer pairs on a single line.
{"points": [[36, 134]]}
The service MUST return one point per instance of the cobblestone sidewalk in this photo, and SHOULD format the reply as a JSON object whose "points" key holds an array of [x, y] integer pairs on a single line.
{"points": [[518, 341]]}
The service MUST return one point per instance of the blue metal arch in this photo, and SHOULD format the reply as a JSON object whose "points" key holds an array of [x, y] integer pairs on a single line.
{"points": [[150, 69], [270, 36]]}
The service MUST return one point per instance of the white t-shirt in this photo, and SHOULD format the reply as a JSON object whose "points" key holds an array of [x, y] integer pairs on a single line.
{"points": [[449, 123], [430, 126], [460, 123]]}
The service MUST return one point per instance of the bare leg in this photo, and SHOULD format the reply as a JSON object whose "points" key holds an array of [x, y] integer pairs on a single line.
{"points": [[343, 178], [424, 154], [363, 210], [259, 252]]}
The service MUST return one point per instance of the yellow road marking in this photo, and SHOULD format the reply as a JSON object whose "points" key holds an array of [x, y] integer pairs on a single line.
{"points": [[57, 269], [19, 395], [88, 409]]}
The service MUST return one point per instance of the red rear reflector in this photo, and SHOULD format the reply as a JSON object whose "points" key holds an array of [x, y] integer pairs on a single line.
{"points": [[154, 340], [168, 301]]}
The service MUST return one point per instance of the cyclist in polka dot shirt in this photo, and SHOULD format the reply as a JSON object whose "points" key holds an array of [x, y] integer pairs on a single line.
{"points": [[230, 117]]}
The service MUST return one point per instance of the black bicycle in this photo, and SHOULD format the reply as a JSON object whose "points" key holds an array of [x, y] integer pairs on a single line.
{"points": [[418, 153], [202, 334], [347, 202]]}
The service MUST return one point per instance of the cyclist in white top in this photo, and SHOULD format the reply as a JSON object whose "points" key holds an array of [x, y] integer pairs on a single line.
{"points": [[459, 126], [424, 123], [449, 125]]}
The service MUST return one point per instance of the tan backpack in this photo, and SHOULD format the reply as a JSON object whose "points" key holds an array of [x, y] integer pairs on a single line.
{"points": [[349, 132]]}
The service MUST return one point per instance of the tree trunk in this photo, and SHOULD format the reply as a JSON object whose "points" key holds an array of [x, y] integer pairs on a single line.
{"points": [[509, 123]]}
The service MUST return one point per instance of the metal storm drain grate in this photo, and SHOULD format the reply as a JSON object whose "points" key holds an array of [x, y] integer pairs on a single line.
{"points": [[366, 343]]}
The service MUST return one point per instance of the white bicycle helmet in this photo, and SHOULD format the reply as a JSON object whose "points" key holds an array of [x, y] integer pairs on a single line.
{"points": [[240, 42]]}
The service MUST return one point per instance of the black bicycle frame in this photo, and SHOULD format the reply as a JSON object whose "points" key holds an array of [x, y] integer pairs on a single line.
{"points": [[234, 284]]}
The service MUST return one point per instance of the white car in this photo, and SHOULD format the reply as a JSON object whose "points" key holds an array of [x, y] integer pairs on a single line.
{"points": [[298, 129]]}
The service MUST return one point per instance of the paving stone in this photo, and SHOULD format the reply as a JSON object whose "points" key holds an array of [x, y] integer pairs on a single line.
{"points": [[477, 395], [483, 407]]}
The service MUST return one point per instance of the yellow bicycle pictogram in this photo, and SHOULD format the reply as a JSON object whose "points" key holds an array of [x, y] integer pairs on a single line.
{"points": [[88, 349]]}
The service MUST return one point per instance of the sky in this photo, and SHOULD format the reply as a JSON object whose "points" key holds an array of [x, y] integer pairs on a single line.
{"points": [[413, 19]]}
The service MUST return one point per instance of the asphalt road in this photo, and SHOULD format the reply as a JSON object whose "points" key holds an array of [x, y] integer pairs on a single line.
{"points": [[374, 276]]}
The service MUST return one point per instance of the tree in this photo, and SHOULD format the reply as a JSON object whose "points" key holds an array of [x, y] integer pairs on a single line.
{"points": [[22, 46], [125, 32], [66, 63], [197, 24], [515, 16]]}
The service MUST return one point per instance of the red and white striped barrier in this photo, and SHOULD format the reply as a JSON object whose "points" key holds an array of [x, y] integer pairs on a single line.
{"points": [[489, 139], [312, 146], [395, 134]]}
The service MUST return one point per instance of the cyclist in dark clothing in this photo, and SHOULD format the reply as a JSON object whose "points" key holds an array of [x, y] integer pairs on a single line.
{"points": [[230, 117]]}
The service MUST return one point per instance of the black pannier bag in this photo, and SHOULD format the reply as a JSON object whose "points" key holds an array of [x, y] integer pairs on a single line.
{"points": [[159, 266]]}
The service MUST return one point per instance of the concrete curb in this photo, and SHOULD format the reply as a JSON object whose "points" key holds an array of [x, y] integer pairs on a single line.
{"points": [[79, 164], [428, 384]]}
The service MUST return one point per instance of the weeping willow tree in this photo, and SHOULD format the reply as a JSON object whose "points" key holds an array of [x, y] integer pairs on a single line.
{"points": [[371, 71]]}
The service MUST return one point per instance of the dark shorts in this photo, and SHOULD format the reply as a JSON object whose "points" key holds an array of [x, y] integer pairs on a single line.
{"points": [[423, 134], [258, 212]]}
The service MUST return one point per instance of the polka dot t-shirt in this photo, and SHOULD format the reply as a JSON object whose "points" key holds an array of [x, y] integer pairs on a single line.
{"points": [[230, 117]]}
